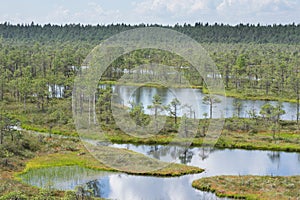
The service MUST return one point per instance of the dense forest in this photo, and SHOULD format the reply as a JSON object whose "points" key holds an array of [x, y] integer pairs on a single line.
{"points": [[242, 33]]}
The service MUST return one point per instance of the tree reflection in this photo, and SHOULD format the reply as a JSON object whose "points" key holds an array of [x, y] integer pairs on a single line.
{"points": [[275, 157], [183, 153], [204, 152], [96, 187], [186, 156], [157, 151]]}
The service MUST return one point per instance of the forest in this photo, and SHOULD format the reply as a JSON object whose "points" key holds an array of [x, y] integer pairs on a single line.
{"points": [[203, 33]]}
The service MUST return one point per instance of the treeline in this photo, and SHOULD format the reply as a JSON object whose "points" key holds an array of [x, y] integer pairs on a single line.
{"points": [[204, 33]]}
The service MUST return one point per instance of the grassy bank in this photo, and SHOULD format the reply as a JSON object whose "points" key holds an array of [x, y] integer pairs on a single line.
{"points": [[154, 85], [242, 95], [251, 187], [262, 140], [85, 159]]}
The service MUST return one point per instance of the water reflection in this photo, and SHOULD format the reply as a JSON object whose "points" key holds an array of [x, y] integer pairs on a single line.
{"points": [[62, 178], [186, 156], [138, 187], [116, 185], [216, 162], [225, 161], [56, 91], [99, 187], [229, 107]]}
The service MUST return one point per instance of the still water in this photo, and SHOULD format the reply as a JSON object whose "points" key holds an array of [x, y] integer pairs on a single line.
{"points": [[193, 98], [187, 96], [215, 161]]}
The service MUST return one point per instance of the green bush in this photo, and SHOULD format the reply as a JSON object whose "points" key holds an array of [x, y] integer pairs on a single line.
{"points": [[14, 196]]}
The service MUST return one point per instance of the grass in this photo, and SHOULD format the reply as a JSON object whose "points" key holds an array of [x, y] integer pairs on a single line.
{"points": [[154, 85], [135, 164], [287, 139], [257, 95], [262, 140], [251, 187], [131, 163], [288, 142]]}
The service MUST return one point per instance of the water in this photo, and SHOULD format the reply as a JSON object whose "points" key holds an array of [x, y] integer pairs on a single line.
{"points": [[193, 97], [225, 161], [56, 91], [62, 178], [188, 96], [216, 162]]}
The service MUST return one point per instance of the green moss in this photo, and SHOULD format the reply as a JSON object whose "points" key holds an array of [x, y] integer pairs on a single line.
{"points": [[251, 187], [238, 94], [88, 161], [155, 85], [45, 129]]}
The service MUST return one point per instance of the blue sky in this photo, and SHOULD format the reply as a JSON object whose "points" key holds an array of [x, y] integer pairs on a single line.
{"points": [[150, 11]]}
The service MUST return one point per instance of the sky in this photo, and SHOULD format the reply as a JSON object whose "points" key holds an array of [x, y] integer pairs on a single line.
{"points": [[150, 11]]}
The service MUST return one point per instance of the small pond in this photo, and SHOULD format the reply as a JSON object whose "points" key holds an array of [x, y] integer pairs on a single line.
{"points": [[193, 98]]}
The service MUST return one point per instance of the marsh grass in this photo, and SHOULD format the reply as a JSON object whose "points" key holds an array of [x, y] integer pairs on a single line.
{"points": [[251, 187], [60, 178], [132, 163], [234, 134]]}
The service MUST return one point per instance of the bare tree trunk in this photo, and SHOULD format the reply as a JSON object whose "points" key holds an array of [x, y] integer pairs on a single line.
{"points": [[89, 110], [81, 103], [298, 107], [1, 137], [210, 109], [2, 91], [24, 104]]}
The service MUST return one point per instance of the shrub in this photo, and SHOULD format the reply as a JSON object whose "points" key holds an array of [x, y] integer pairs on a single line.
{"points": [[14, 196]]}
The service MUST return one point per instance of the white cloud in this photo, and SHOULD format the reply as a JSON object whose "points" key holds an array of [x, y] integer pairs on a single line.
{"points": [[192, 6], [254, 5], [93, 14], [172, 6], [259, 11], [226, 11]]}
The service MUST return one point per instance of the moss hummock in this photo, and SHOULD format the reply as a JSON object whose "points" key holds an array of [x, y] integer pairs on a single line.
{"points": [[251, 187], [136, 160]]}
